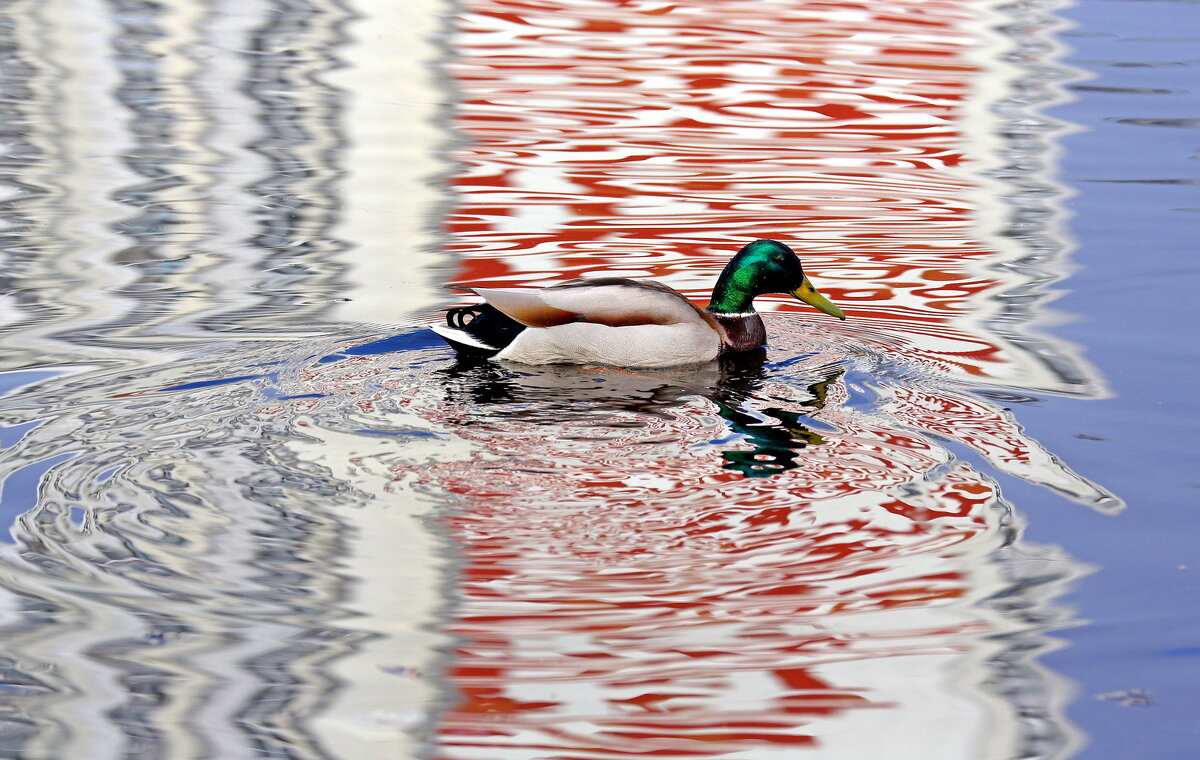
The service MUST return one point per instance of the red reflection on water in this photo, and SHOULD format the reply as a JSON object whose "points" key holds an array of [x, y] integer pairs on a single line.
{"points": [[622, 592], [626, 589], [609, 138], [623, 589]]}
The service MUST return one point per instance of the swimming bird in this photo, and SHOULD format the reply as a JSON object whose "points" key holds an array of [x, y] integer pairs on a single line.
{"points": [[631, 323]]}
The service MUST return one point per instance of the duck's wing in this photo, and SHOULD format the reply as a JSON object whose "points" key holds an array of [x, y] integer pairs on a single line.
{"points": [[612, 301]]}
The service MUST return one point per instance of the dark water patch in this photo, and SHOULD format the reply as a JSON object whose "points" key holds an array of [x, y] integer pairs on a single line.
{"points": [[1125, 90], [1157, 122]]}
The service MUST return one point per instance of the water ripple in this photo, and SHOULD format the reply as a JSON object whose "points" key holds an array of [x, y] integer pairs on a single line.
{"points": [[709, 576], [231, 522]]}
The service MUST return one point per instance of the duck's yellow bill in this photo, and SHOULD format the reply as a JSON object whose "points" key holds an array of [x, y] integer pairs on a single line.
{"points": [[809, 295]]}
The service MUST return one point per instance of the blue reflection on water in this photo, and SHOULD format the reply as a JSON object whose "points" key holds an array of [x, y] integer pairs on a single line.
{"points": [[412, 340], [1135, 175], [19, 491]]}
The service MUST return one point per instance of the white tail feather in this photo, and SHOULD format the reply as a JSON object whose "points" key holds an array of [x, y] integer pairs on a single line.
{"points": [[454, 335]]}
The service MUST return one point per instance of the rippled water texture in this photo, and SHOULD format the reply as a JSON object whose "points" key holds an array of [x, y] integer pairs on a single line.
{"points": [[255, 508]]}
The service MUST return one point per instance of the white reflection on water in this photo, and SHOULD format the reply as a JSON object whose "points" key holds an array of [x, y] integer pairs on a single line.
{"points": [[241, 529]]}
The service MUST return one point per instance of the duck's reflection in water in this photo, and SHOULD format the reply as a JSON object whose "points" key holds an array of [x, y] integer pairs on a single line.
{"points": [[770, 436]]}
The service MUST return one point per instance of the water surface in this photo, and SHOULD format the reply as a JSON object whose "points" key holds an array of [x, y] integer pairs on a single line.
{"points": [[256, 509]]}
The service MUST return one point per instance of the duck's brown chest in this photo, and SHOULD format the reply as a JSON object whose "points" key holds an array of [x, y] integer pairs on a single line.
{"points": [[742, 332]]}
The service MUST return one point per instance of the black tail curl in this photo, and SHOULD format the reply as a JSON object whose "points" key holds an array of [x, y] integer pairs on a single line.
{"points": [[486, 324]]}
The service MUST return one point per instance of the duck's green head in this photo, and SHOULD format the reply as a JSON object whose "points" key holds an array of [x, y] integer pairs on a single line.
{"points": [[765, 266]]}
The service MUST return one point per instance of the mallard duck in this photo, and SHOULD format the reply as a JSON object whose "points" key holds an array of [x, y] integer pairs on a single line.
{"points": [[631, 323]]}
